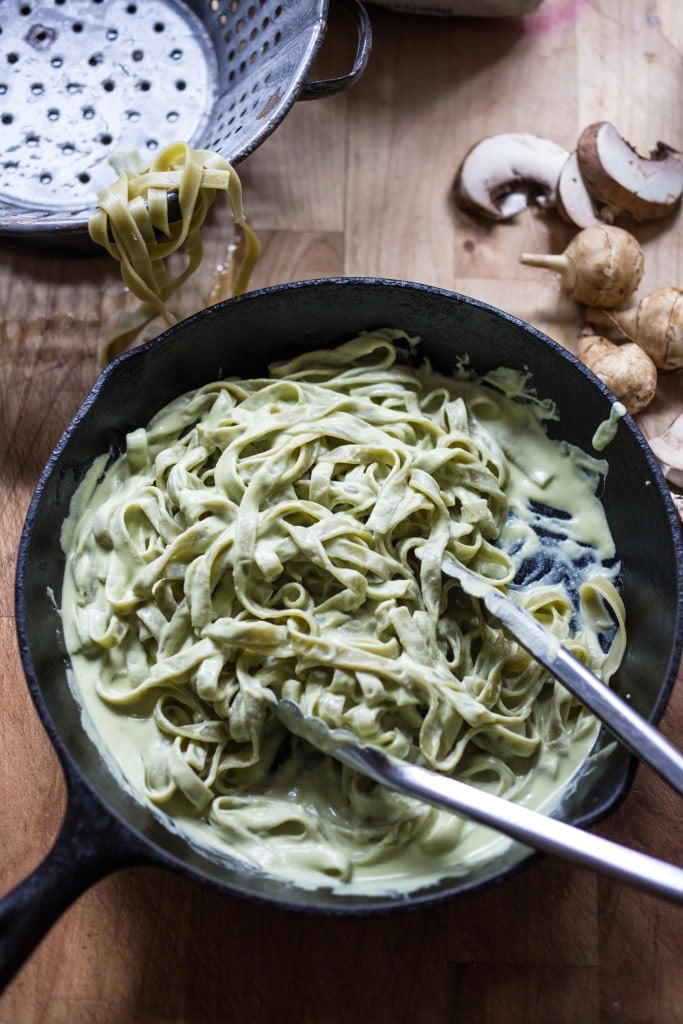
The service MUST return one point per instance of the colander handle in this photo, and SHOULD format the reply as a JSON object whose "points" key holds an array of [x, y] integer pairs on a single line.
{"points": [[330, 86]]}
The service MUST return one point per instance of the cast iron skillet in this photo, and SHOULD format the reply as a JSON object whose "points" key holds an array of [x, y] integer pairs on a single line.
{"points": [[105, 827]]}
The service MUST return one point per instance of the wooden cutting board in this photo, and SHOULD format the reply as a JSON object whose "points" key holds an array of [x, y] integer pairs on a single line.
{"points": [[357, 184]]}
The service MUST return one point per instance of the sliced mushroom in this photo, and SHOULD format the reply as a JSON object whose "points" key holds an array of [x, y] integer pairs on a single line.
{"points": [[574, 201], [669, 450], [500, 174], [648, 188]]}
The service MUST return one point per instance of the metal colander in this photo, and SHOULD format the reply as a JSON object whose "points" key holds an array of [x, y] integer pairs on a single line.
{"points": [[81, 80]]}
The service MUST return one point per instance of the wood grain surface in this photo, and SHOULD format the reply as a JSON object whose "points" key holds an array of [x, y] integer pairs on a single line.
{"points": [[360, 184]]}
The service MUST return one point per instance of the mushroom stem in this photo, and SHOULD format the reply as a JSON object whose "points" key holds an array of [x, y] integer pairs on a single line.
{"points": [[546, 260]]}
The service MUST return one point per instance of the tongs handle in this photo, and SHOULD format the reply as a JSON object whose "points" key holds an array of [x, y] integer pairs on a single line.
{"points": [[634, 731], [521, 823], [637, 735], [527, 826]]}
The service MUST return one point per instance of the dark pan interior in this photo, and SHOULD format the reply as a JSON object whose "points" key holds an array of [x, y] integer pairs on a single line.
{"points": [[240, 337]]}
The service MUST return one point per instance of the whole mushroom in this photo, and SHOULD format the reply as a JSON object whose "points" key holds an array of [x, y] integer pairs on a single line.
{"points": [[625, 369], [656, 324], [602, 265]]}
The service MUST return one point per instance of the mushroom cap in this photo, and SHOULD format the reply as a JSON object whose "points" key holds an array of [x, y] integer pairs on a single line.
{"points": [[648, 188], [659, 326], [608, 265], [625, 369], [499, 174]]}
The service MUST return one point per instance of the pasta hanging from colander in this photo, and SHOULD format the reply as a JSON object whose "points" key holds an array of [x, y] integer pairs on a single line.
{"points": [[132, 223]]}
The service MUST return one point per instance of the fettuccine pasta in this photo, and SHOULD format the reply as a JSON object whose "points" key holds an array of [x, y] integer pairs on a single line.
{"points": [[132, 223], [284, 537]]}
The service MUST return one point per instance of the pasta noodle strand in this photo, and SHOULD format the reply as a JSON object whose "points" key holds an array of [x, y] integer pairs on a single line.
{"points": [[283, 537]]}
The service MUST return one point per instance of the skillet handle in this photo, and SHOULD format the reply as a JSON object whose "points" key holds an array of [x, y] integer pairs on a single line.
{"points": [[92, 843], [330, 86]]}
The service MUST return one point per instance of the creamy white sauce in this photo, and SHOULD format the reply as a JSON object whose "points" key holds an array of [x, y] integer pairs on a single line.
{"points": [[607, 430], [544, 477], [454, 847]]}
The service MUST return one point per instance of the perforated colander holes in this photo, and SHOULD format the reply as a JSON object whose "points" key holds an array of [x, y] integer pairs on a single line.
{"points": [[88, 113], [250, 9], [237, 113], [175, 84], [263, 36], [250, 29]]}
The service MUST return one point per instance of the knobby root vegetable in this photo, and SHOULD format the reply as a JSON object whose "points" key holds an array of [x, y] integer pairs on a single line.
{"points": [[602, 265], [625, 369], [656, 324]]}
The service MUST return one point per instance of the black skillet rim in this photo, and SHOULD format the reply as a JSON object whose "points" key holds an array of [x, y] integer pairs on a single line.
{"points": [[143, 849]]}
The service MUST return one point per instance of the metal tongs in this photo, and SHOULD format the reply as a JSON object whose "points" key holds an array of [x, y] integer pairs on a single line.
{"points": [[637, 735], [529, 827]]}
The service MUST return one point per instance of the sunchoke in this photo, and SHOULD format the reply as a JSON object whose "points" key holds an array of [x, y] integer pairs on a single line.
{"points": [[656, 324], [625, 369], [602, 265]]}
